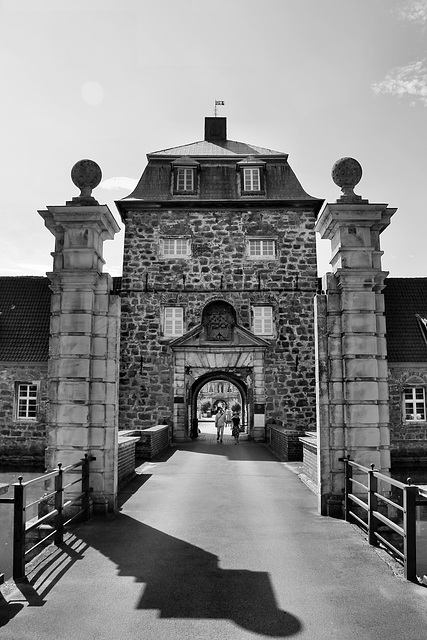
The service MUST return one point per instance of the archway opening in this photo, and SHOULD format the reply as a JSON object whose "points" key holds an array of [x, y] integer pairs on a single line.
{"points": [[208, 393], [212, 396]]}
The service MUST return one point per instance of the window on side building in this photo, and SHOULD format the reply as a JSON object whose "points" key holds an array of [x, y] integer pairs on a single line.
{"points": [[26, 400], [261, 248], [262, 321], [414, 404], [173, 321]]}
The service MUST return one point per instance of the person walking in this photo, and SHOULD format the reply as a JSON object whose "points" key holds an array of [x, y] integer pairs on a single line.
{"points": [[235, 429], [228, 418], [219, 423]]}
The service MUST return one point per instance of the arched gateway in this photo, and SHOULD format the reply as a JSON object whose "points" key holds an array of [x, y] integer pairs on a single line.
{"points": [[218, 349], [198, 385]]}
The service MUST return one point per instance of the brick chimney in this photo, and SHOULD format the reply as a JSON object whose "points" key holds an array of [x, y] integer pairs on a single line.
{"points": [[216, 130]]}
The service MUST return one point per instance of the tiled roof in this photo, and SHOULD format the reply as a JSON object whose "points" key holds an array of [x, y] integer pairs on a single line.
{"points": [[405, 298], [228, 148], [24, 319]]}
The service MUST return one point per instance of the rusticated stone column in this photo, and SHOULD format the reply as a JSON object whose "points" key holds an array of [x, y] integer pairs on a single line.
{"points": [[84, 343], [351, 353]]}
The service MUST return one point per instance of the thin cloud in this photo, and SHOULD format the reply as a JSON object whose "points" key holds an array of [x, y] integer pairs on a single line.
{"points": [[128, 184], [415, 12], [408, 80]]}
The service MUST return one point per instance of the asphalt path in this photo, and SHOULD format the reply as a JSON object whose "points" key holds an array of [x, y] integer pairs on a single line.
{"points": [[214, 541]]}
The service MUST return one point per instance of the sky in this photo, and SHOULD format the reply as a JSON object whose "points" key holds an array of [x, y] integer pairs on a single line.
{"points": [[113, 80]]}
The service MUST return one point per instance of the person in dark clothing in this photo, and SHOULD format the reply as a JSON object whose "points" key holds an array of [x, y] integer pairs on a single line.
{"points": [[235, 429]]}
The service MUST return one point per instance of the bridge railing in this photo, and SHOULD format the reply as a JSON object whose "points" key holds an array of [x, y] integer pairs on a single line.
{"points": [[61, 514], [388, 517]]}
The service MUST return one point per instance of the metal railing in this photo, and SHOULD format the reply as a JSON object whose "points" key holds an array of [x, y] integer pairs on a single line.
{"points": [[59, 514], [377, 521]]}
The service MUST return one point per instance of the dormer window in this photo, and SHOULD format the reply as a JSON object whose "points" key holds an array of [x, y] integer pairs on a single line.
{"points": [[184, 172], [251, 176], [185, 179], [251, 179]]}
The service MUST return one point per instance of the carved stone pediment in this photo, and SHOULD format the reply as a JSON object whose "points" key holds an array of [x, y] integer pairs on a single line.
{"points": [[241, 338]]}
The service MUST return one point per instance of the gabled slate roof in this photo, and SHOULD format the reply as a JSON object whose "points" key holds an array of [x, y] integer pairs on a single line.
{"points": [[24, 318], [405, 299]]}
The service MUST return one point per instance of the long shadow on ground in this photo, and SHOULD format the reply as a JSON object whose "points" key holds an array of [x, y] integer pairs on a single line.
{"points": [[184, 581]]}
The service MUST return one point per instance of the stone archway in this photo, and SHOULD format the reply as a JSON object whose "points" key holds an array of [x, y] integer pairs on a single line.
{"points": [[198, 385], [208, 352]]}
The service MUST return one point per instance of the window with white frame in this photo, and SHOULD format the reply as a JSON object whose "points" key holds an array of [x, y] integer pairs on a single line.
{"points": [[261, 248], [26, 398], [173, 321], [414, 401], [263, 321], [185, 179], [176, 247], [251, 179]]}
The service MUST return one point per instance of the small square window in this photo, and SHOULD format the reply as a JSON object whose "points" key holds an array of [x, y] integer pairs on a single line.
{"points": [[263, 321], [176, 247], [26, 398], [173, 321], [262, 248], [414, 404]]}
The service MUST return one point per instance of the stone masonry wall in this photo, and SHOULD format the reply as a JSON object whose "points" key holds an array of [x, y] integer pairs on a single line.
{"points": [[22, 442], [408, 439], [217, 269]]}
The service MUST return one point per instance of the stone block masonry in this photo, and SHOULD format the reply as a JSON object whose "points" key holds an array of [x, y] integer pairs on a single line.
{"points": [[408, 438], [22, 440], [218, 267]]}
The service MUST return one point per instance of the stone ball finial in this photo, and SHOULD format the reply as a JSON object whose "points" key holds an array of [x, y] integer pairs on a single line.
{"points": [[86, 175], [347, 173]]}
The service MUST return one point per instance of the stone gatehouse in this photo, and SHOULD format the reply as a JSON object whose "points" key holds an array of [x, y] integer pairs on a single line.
{"points": [[219, 275]]}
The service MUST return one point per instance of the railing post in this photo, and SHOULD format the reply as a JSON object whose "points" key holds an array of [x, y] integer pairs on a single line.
{"points": [[372, 506], [59, 506], [85, 487], [348, 486], [410, 495], [19, 521]]}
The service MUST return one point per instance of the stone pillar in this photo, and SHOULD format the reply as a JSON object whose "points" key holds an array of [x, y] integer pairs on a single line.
{"points": [[258, 433], [84, 343], [351, 353]]}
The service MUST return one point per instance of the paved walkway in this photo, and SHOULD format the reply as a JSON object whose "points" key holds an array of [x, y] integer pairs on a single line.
{"points": [[214, 542]]}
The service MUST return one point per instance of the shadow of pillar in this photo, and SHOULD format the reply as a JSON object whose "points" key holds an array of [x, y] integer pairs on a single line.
{"points": [[184, 581]]}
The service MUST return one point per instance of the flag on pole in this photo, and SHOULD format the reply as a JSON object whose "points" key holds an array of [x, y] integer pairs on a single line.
{"points": [[217, 102]]}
